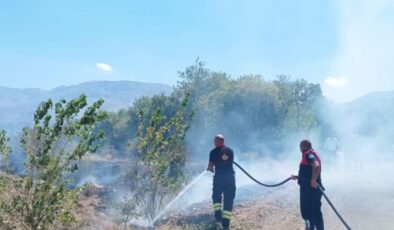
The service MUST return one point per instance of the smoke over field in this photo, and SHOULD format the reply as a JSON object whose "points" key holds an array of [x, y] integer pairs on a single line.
{"points": [[138, 179], [107, 123], [356, 176]]}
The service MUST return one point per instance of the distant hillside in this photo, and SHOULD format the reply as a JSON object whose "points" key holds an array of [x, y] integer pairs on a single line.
{"points": [[17, 105], [375, 101], [370, 116]]}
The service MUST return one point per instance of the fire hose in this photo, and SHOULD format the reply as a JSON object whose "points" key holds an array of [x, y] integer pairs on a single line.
{"points": [[299, 178]]}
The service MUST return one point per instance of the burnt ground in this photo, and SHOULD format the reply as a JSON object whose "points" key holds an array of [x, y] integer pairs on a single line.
{"points": [[367, 203], [278, 209], [275, 210]]}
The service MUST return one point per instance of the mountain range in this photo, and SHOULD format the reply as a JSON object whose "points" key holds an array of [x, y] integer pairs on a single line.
{"points": [[17, 106]]}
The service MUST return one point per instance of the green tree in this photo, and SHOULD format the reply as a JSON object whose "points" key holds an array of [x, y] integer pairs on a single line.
{"points": [[256, 114], [157, 172], [62, 134], [122, 125], [296, 104]]}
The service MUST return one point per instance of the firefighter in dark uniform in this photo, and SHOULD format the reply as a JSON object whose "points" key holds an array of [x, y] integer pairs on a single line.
{"points": [[221, 163], [309, 179]]}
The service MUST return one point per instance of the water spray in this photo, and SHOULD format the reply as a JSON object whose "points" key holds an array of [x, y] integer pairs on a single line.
{"points": [[161, 213]]}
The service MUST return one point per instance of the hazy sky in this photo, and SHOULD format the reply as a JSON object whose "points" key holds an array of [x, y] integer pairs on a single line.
{"points": [[347, 46]]}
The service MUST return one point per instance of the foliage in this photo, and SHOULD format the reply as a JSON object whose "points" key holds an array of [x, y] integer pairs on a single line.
{"points": [[251, 111], [123, 125], [157, 171], [5, 150], [62, 134]]}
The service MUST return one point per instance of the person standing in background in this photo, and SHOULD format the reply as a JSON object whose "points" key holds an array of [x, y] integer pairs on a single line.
{"points": [[331, 147]]}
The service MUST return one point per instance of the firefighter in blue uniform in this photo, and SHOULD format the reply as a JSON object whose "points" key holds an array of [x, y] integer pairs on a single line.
{"points": [[221, 163], [309, 179]]}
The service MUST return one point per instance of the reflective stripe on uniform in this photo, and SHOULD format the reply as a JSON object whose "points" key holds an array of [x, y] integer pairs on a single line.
{"points": [[227, 214], [217, 206]]}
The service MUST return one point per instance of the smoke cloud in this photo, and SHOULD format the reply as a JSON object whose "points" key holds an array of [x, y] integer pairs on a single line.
{"points": [[365, 49]]}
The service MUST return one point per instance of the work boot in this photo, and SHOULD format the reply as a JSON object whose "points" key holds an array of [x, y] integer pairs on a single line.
{"points": [[225, 224], [216, 225]]}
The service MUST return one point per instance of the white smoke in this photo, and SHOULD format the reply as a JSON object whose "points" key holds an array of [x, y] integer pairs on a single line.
{"points": [[365, 50]]}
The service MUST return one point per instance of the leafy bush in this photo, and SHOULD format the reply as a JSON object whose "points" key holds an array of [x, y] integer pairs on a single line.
{"points": [[61, 136]]}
